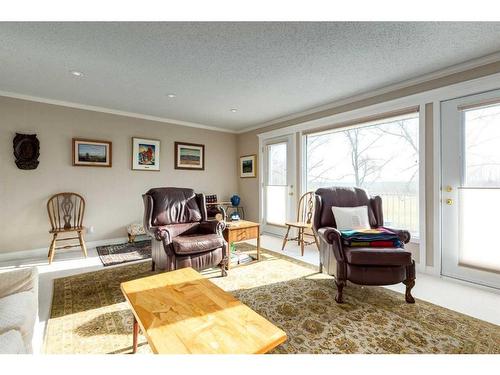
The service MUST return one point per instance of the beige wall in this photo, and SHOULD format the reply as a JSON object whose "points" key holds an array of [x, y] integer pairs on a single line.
{"points": [[248, 142], [113, 195]]}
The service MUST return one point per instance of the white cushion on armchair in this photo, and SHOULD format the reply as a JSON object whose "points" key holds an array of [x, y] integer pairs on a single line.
{"points": [[11, 342], [19, 304], [349, 218], [19, 311]]}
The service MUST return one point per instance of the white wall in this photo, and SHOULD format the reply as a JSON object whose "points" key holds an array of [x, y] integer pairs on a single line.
{"points": [[113, 195]]}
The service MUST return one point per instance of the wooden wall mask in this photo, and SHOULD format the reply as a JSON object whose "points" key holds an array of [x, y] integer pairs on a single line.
{"points": [[26, 151]]}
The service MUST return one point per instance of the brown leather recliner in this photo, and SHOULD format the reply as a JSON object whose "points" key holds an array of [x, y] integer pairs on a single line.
{"points": [[176, 219], [364, 266]]}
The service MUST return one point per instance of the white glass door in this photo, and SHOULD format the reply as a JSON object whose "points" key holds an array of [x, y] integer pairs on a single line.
{"points": [[278, 184], [470, 201]]}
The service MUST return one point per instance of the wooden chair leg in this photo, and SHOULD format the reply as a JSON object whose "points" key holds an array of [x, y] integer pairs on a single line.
{"points": [[285, 239], [82, 243], [52, 248], [301, 240], [50, 255]]}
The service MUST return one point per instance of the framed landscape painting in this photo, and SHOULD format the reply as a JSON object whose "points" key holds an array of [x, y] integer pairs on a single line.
{"points": [[145, 154], [189, 156], [248, 166], [91, 153]]}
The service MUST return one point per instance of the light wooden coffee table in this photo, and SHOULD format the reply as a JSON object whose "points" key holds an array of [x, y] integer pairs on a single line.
{"points": [[182, 312]]}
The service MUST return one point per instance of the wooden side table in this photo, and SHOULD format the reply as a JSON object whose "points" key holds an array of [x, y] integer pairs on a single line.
{"points": [[242, 230]]}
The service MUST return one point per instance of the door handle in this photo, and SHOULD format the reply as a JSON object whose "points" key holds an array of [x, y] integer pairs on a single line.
{"points": [[449, 202]]}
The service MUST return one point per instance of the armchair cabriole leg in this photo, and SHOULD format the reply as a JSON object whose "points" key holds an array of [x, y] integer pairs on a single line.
{"points": [[410, 283], [320, 267], [223, 267], [153, 266], [339, 298]]}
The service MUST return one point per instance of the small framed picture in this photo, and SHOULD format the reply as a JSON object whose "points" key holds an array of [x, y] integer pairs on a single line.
{"points": [[189, 156], [145, 154], [248, 166], [91, 153]]}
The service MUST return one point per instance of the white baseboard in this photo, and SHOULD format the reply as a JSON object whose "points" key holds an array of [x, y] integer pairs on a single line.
{"points": [[429, 270], [41, 253]]}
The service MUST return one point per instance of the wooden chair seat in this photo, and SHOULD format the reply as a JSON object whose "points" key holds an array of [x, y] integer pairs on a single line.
{"points": [[71, 229], [299, 224]]}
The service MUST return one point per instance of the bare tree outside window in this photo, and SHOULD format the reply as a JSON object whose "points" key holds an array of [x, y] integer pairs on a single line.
{"points": [[381, 158]]}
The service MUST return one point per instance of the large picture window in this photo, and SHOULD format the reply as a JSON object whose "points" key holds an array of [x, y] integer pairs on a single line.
{"points": [[381, 157]]}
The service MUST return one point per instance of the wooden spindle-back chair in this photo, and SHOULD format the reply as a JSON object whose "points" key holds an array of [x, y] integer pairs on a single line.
{"points": [[305, 214], [66, 212]]}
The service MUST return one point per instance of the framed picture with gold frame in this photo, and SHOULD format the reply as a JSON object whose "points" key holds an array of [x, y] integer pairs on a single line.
{"points": [[189, 156], [92, 153], [248, 166]]}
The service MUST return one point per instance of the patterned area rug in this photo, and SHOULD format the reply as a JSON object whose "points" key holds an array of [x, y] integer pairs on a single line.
{"points": [[89, 314], [125, 252]]}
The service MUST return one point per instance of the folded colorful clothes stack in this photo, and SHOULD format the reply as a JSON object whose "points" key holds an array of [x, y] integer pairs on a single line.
{"points": [[375, 237]]}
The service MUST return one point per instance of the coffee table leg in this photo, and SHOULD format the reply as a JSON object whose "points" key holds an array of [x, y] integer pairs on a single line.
{"points": [[136, 334]]}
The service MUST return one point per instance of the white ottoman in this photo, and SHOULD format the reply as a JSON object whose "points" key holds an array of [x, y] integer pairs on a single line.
{"points": [[133, 230]]}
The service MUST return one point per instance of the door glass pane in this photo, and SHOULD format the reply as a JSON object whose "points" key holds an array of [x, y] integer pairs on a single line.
{"points": [[478, 223], [277, 164], [276, 190], [482, 146], [276, 204], [478, 208]]}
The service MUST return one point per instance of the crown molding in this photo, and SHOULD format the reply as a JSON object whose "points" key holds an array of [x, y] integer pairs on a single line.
{"points": [[458, 68], [111, 111]]}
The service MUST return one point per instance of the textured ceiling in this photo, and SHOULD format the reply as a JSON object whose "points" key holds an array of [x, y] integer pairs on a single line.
{"points": [[265, 70]]}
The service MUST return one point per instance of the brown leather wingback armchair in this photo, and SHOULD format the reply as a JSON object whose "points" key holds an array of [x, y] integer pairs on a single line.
{"points": [[176, 219], [364, 266]]}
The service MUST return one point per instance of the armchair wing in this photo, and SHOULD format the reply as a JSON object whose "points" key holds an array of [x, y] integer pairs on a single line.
{"points": [[376, 206]]}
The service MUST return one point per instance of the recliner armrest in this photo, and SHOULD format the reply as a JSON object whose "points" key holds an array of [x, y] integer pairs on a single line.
{"points": [[161, 233], [403, 235], [333, 238], [212, 227], [330, 234]]}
